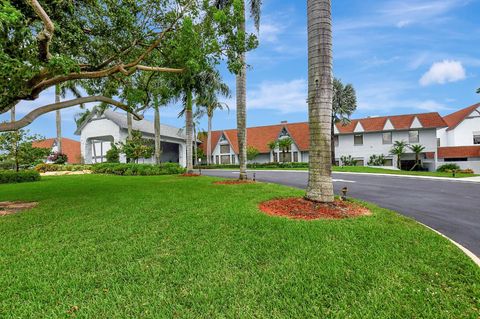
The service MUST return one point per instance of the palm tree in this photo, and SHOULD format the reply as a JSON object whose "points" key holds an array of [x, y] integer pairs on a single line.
{"points": [[156, 124], [343, 106], [320, 96], [61, 91], [398, 149], [241, 83], [284, 145], [417, 149], [208, 100], [272, 146]]}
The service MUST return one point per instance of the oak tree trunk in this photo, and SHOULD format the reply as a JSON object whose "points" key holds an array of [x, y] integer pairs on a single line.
{"points": [[241, 87], [320, 91]]}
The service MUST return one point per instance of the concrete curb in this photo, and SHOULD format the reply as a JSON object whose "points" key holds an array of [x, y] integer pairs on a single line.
{"points": [[467, 252]]}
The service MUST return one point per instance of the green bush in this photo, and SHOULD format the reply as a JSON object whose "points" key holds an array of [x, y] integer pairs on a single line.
{"points": [[132, 169], [377, 160], [44, 167], [348, 160], [257, 165], [19, 177], [448, 167]]}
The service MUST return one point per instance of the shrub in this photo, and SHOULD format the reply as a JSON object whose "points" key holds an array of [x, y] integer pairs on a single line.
{"points": [[377, 160], [44, 167], [448, 167], [256, 165], [348, 160], [467, 171], [19, 177], [113, 154], [132, 169]]}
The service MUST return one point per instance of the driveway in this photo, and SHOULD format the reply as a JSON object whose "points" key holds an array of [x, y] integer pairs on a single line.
{"points": [[450, 207]]}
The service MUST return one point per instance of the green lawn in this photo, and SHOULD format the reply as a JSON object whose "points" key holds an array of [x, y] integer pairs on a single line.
{"points": [[170, 247], [365, 169]]}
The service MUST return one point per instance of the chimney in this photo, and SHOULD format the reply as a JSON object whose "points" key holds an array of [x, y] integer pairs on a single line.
{"points": [[283, 122]]}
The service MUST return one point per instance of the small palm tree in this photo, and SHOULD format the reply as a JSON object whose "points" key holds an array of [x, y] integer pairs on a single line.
{"points": [[272, 145], [417, 149], [398, 149], [285, 145]]}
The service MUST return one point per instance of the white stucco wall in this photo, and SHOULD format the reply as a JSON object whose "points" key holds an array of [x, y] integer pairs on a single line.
{"points": [[462, 135], [97, 129]]}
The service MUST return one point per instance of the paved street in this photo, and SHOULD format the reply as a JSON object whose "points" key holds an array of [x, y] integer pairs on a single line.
{"points": [[451, 207]]}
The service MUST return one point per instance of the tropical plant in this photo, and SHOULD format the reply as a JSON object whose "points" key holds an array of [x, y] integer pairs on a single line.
{"points": [[377, 160], [417, 149], [320, 97], [137, 147], [398, 149], [252, 153], [61, 91], [58, 158], [348, 160], [113, 154], [448, 167], [272, 146], [343, 105], [285, 144], [16, 147]]}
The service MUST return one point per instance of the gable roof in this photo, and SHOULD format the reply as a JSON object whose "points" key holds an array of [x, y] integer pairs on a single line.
{"points": [[144, 126], [454, 119], [69, 147], [459, 151], [260, 136]]}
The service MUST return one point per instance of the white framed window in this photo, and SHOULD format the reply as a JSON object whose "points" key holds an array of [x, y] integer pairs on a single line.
{"points": [[413, 137], [358, 139], [476, 138], [336, 140], [225, 149], [225, 159], [387, 138]]}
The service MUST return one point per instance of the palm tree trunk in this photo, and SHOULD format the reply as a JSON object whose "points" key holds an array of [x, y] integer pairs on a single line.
{"points": [[332, 141], [195, 150], [209, 139], [158, 141], [320, 90], [58, 121], [14, 144], [242, 108], [188, 126]]}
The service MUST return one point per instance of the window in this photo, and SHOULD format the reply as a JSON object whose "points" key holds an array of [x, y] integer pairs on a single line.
{"points": [[233, 159], [275, 157], [360, 162], [463, 159], [335, 140], [225, 159], [476, 139], [285, 157], [358, 139], [225, 149], [438, 142], [388, 162], [217, 159], [295, 157], [387, 138], [413, 137]]}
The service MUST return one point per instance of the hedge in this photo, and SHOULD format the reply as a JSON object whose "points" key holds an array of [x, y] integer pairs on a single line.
{"points": [[131, 169], [43, 167], [258, 165], [19, 177]]}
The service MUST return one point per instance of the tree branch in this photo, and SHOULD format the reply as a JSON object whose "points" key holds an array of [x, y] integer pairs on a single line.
{"points": [[30, 117], [45, 36]]}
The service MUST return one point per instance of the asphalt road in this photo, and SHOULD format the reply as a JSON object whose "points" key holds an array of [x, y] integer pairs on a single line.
{"points": [[450, 207]]}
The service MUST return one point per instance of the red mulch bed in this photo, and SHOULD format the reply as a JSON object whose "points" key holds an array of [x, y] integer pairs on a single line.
{"points": [[233, 182], [300, 208], [189, 175], [8, 208]]}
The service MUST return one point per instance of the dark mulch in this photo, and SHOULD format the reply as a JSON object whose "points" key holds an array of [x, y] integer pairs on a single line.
{"points": [[234, 182], [7, 208], [300, 208]]}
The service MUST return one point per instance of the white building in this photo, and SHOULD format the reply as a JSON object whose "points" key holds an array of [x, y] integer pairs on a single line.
{"points": [[101, 129], [459, 142]]}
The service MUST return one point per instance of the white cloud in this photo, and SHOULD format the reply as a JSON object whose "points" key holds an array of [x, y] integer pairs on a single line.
{"points": [[443, 72], [283, 97], [430, 106]]}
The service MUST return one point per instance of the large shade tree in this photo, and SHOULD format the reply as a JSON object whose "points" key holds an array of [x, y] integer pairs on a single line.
{"points": [[320, 94], [98, 43], [343, 106]]}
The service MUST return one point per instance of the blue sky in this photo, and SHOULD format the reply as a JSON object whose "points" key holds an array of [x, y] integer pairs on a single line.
{"points": [[401, 56]]}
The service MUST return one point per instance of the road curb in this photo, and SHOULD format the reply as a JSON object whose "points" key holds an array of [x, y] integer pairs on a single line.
{"points": [[466, 251]]}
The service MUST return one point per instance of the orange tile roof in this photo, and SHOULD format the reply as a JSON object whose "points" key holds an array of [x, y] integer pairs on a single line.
{"points": [[69, 147], [456, 118], [459, 151], [260, 136]]}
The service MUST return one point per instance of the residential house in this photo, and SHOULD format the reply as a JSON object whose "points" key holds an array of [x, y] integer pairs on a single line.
{"points": [[71, 148], [102, 128]]}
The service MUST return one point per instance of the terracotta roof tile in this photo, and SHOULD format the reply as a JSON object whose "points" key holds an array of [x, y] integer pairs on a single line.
{"points": [[70, 147], [459, 151], [456, 118]]}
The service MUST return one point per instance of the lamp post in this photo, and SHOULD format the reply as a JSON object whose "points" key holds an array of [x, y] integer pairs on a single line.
{"points": [[200, 166]]}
